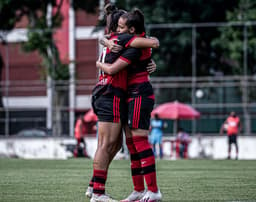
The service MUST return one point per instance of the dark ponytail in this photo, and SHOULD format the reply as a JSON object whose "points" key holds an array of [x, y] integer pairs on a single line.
{"points": [[135, 19], [110, 8], [140, 16]]}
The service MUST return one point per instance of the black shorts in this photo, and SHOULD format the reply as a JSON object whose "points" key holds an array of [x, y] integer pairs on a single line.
{"points": [[232, 139], [110, 108], [139, 112]]}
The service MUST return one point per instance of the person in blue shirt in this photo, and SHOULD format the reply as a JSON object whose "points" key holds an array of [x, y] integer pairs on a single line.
{"points": [[156, 134]]}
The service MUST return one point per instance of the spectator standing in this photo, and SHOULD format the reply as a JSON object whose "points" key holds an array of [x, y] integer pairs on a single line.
{"points": [[156, 134], [183, 141], [232, 126], [80, 130]]}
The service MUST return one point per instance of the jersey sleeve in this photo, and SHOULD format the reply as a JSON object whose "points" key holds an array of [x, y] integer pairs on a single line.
{"points": [[125, 39], [131, 55]]}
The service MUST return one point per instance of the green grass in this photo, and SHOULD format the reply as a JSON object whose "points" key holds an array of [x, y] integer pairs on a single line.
{"points": [[181, 180]]}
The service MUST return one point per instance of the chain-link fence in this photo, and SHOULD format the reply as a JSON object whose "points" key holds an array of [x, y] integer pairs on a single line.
{"points": [[215, 96], [191, 51]]}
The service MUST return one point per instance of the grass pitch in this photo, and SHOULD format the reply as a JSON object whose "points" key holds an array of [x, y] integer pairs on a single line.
{"points": [[180, 180]]}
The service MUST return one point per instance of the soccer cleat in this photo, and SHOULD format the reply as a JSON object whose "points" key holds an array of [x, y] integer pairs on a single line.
{"points": [[134, 196], [151, 197], [88, 192], [102, 198]]}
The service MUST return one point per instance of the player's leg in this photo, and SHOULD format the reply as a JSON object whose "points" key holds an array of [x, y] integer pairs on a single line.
{"points": [[139, 120], [147, 160], [229, 146], [159, 142], [76, 150], [85, 154], [161, 155], [108, 110], [236, 145], [108, 135], [153, 142], [89, 190], [116, 148], [154, 150], [136, 170]]}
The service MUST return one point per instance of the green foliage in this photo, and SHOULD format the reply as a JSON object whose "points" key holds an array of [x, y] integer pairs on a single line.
{"points": [[11, 11], [218, 50], [40, 34], [230, 43], [174, 56]]}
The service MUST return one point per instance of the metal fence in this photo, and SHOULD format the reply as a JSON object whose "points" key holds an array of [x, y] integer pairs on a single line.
{"points": [[214, 96]]}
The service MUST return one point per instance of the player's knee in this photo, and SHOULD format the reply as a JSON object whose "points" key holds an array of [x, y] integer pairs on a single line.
{"points": [[112, 148], [107, 148]]}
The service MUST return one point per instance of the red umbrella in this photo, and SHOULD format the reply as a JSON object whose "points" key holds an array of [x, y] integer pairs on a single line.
{"points": [[175, 111], [90, 116]]}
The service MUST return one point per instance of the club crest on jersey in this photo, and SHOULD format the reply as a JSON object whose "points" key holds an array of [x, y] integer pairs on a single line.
{"points": [[103, 81]]}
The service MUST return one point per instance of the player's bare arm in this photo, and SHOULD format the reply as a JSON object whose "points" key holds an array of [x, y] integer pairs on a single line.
{"points": [[112, 68], [111, 44], [137, 42], [119, 65], [141, 42]]}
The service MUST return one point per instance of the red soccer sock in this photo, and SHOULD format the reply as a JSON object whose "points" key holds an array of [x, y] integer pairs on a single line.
{"points": [[147, 160], [136, 169], [99, 181]]}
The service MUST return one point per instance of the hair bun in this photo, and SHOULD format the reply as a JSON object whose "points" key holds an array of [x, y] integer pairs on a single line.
{"points": [[109, 8]]}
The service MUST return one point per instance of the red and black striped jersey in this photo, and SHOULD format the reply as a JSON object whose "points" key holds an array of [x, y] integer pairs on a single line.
{"points": [[137, 73], [116, 83], [138, 76]]}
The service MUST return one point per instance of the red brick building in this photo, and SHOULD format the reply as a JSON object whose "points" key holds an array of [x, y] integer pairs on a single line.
{"points": [[26, 93]]}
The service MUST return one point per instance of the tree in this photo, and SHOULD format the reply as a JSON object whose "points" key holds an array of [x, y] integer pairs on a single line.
{"points": [[230, 44], [231, 51], [40, 32], [173, 56]]}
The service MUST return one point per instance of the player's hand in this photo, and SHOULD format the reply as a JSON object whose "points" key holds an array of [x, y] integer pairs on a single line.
{"points": [[151, 67], [156, 42], [107, 36], [98, 63], [113, 47]]}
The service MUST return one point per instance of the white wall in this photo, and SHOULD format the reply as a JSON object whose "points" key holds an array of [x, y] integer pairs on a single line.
{"points": [[55, 148], [216, 147], [41, 148]]}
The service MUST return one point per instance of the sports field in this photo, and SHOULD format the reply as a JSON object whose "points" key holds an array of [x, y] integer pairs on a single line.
{"points": [[180, 180]]}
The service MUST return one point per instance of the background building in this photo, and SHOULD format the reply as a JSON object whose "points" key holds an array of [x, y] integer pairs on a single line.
{"points": [[26, 96], [197, 65]]}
